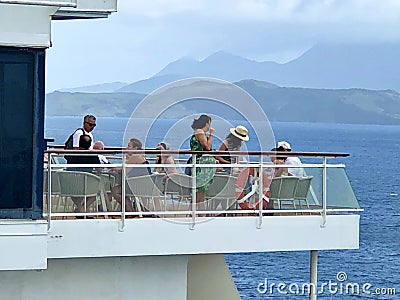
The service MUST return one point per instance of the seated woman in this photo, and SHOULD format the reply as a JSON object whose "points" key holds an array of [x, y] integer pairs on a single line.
{"points": [[232, 142], [135, 144], [131, 158], [164, 159]]}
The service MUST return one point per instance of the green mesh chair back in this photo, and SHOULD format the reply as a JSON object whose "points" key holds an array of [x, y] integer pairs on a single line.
{"points": [[55, 191], [178, 187], [76, 184], [221, 192], [283, 189], [146, 192], [302, 189], [79, 184]]}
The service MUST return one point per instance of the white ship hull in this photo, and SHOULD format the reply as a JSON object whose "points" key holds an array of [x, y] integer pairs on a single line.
{"points": [[151, 277]]}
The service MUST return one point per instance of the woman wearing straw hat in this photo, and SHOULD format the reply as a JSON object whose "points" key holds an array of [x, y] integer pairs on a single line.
{"points": [[232, 142]]}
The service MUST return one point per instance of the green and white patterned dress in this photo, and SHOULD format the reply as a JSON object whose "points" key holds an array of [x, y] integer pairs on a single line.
{"points": [[204, 176]]}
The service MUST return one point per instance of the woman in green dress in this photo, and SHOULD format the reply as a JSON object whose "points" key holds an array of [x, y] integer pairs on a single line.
{"points": [[201, 142]]}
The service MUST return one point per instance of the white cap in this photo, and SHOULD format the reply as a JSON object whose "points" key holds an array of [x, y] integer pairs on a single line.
{"points": [[284, 145]]}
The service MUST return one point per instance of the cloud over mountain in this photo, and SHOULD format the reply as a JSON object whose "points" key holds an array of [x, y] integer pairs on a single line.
{"points": [[323, 66]]}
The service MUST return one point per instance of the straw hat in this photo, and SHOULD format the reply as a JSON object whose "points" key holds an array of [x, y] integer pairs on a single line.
{"points": [[240, 132]]}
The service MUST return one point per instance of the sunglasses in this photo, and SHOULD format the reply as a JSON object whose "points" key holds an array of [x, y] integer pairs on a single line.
{"points": [[91, 124]]}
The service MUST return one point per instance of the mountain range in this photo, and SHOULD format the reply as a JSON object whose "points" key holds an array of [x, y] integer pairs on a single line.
{"points": [[323, 66], [334, 84]]}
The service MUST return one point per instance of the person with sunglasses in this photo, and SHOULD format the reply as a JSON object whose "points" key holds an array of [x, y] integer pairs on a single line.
{"points": [[89, 123]]}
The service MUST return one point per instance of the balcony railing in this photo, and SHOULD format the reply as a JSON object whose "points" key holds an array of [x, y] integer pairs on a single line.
{"points": [[247, 189]]}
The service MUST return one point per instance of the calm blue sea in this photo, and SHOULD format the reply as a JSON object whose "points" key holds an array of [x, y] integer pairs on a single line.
{"points": [[373, 169]]}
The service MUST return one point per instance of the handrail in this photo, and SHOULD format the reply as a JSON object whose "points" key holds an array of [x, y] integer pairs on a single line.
{"points": [[217, 153]]}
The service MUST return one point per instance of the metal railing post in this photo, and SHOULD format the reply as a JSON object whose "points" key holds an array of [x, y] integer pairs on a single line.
{"points": [[261, 193], [194, 200], [49, 205], [123, 184], [324, 205]]}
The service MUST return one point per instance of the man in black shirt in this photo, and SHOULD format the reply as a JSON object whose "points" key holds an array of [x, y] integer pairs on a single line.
{"points": [[85, 141]]}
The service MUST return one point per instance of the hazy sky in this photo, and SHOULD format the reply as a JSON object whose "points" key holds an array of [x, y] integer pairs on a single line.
{"points": [[145, 35]]}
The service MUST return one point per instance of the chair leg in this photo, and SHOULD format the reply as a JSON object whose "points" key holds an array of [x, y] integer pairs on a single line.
{"points": [[306, 204], [138, 205], [84, 205], [58, 203]]}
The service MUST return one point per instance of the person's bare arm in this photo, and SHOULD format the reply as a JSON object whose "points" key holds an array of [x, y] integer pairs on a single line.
{"points": [[223, 147], [170, 170], [280, 171], [205, 141]]}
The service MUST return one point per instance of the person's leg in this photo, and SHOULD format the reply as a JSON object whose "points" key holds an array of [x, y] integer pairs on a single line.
{"points": [[128, 205], [89, 202], [78, 201], [117, 194], [200, 195]]}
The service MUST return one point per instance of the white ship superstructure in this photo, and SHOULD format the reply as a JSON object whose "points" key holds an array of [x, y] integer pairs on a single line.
{"points": [[164, 250]]}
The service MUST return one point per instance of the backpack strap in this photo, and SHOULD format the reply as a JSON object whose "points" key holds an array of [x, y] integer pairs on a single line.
{"points": [[83, 131]]}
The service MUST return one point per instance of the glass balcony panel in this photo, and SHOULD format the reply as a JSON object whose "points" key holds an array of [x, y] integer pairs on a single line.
{"points": [[339, 191]]}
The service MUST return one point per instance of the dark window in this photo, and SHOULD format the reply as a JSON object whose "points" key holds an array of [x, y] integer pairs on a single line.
{"points": [[21, 131]]}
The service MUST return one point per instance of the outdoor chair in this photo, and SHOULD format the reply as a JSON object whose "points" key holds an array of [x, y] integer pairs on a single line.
{"points": [[282, 189], [221, 192], [76, 184], [302, 189], [146, 194], [178, 188], [55, 191]]}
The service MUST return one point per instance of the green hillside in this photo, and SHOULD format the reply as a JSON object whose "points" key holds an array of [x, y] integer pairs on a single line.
{"points": [[353, 106], [99, 104]]}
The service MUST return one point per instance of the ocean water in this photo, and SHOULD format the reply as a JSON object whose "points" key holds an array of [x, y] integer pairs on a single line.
{"points": [[373, 169]]}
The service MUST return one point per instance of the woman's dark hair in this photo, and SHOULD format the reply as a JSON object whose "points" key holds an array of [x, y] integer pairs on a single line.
{"points": [[201, 122], [233, 141], [280, 149]]}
